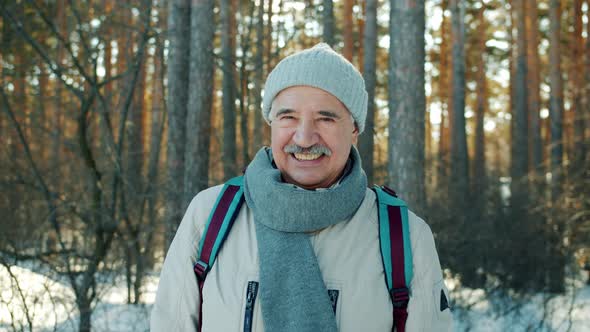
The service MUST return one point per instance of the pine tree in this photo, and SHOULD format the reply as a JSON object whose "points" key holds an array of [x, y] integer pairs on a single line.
{"points": [[178, 80], [200, 99], [407, 102], [366, 140], [459, 184], [229, 96]]}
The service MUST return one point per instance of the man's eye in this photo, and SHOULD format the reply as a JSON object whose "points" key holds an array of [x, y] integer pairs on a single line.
{"points": [[327, 119], [287, 117]]}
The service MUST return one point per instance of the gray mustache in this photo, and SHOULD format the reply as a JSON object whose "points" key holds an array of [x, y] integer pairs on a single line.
{"points": [[315, 149]]}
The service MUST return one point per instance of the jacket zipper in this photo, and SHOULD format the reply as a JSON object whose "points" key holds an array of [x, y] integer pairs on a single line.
{"points": [[333, 294], [250, 300]]}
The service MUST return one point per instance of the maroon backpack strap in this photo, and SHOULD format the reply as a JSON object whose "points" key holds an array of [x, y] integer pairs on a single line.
{"points": [[218, 225], [396, 254], [400, 294]]}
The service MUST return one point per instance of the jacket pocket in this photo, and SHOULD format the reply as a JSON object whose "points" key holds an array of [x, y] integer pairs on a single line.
{"points": [[251, 293]]}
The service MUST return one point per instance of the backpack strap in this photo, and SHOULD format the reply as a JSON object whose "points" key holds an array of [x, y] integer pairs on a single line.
{"points": [[218, 225], [396, 251]]}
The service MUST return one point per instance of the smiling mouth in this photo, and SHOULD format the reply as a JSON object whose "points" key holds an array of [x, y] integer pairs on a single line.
{"points": [[307, 156]]}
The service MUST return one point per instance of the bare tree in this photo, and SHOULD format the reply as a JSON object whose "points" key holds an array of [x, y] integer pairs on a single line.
{"points": [[533, 86], [587, 88], [556, 96], [459, 159], [555, 270], [479, 174], [328, 13], [577, 75], [258, 80], [229, 99], [347, 34], [178, 80], [244, 95], [407, 101], [200, 100], [446, 102], [90, 207], [519, 168], [366, 140]]}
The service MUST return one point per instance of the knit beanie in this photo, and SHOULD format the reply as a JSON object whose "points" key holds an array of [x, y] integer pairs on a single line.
{"points": [[319, 67]]}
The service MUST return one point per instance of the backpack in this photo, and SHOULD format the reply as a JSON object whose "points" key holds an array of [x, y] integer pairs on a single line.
{"points": [[394, 241]]}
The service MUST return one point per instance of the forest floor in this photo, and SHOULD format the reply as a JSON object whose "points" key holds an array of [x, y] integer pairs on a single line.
{"points": [[51, 307]]}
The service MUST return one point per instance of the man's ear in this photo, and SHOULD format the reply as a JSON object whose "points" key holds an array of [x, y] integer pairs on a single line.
{"points": [[355, 134]]}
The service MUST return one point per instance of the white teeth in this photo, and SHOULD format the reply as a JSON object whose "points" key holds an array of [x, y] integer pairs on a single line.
{"points": [[307, 156]]}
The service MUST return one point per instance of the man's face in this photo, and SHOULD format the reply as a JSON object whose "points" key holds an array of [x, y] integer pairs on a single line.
{"points": [[310, 118]]}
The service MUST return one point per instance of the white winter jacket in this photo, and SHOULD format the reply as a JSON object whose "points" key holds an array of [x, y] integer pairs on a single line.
{"points": [[349, 259]]}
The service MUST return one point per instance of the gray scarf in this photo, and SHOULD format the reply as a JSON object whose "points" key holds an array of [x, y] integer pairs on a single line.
{"points": [[292, 291]]}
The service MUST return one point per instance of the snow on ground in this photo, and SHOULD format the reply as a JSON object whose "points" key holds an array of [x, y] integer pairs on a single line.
{"points": [[48, 302], [51, 307], [51, 304], [540, 312]]}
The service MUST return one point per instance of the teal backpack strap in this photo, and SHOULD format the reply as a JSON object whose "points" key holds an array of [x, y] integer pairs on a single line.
{"points": [[396, 251], [218, 225]]}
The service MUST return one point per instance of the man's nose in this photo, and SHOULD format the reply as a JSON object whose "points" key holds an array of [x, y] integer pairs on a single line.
{"points": [[306, 134]]}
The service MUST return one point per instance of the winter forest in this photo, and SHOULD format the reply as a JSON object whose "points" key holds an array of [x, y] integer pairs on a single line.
{"points": [[114, 114]]}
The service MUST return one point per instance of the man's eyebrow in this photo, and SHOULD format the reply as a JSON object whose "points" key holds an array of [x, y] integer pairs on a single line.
{"points": [[284, 111], [329, 114]]}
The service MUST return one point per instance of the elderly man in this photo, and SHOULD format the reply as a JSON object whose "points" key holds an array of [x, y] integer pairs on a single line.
{"points": [[305, 251]]}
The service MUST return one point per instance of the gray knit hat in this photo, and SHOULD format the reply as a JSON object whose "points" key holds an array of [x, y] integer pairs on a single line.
{"points": [[319, 67]]}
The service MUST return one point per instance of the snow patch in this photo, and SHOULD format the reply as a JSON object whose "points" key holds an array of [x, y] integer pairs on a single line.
{"points": [[51, 307]]}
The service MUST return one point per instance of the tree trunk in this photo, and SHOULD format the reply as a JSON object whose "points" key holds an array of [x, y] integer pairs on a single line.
{"points": [[328, 13], [152, 190], [108, 49], [459, 158], [519, 160], [556, 97], [577, 75], [57, 127], [258, 80], [360, 21], [20, 83], [555, 270], [443, 142], [407, 102], [269, 38], [347, 30], [178, 80], [85, 315], [200, 99], [5, 41], [533, 86], [135, 141], [244, 94], [228, 86], [479, 174], [41, 119], [366, 140], [587, 84]]}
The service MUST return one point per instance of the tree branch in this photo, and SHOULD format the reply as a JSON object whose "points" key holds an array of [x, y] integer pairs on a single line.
{"points": [[57, 70]]}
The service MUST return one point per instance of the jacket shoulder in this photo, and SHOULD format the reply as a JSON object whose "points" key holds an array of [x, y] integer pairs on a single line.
{"points": [[418, 227], [207, 196], [197, 213], [417, 224]]}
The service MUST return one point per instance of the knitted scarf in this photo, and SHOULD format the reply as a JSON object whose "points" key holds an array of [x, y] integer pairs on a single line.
{"points": [[292, 291]]}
